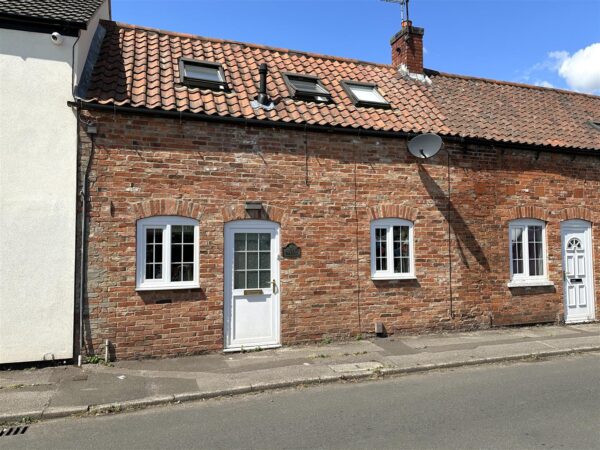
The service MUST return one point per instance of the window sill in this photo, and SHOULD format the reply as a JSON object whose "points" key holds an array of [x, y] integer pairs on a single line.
{"points": [[392, 277], [168, 287], [529, 283]]}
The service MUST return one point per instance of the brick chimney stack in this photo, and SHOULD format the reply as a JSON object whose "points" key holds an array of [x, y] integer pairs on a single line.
{"points": [[407, 48]]}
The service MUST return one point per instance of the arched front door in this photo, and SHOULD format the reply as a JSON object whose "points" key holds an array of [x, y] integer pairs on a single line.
{"points": [[578, 271], [252, 294]]}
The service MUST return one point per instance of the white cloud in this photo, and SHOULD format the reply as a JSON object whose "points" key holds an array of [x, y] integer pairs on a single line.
{"points": [[581, 70], [544, 83]]}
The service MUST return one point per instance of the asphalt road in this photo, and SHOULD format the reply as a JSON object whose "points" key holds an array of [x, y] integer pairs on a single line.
{"points": [[545, 404]]}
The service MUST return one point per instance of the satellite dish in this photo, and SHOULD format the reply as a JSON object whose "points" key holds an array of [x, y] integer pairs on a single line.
{"points": [[425, 145]]}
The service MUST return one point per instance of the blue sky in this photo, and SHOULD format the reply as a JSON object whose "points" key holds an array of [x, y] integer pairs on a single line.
{"points": [[544, 42]]}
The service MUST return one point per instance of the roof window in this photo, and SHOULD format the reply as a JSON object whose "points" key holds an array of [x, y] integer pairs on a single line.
{"points": [[306, 87], [365, 94], [203, 74]]}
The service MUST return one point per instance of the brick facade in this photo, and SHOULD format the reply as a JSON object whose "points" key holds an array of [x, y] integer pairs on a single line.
{"points": [[323, 189]]}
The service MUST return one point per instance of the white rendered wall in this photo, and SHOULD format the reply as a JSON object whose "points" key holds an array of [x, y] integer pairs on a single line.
{"points": [[38, 194]]}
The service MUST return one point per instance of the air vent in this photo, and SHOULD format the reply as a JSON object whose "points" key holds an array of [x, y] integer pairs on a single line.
{"points": [[595, 124]]}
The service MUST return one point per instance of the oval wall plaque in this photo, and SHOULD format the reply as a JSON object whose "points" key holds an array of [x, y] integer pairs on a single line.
{"points": [[291, 251]]}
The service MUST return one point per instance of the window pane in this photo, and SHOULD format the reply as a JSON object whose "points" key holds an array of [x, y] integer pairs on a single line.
{"points": [[176, 232], [265, 279], [401, 249], [202, 72], [175, 253], [157, 271], [150, 253], [149, 271], [517, 250], [380, 249], [188, 253], [536, 255], [366, 93], [239, 280], [307, 85], [252, 279], [188, 234], [176, 272], [187, 272]]}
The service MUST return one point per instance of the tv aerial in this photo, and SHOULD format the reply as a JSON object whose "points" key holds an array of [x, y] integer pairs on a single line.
{"points": [[425, 145], [403, 8]]}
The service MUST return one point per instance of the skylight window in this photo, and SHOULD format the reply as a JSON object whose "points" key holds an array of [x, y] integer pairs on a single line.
{"points": [[307, 87], [365, 94], [204, 74]]}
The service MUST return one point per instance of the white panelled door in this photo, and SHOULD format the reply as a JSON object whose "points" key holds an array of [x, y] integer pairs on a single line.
{"points": [[252, 295], [578, 271]]}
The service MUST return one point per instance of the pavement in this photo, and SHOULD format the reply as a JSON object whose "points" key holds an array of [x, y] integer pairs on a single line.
{"points": [[43, 393]]}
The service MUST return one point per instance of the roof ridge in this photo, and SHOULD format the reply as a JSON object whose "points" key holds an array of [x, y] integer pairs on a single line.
{"points": [[246, 44], [510, 83]]}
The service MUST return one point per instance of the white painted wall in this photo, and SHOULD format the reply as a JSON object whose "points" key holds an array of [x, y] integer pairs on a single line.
{"points": [[38, 194]]}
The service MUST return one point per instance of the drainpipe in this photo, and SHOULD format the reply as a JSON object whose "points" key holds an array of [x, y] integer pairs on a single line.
{"points": [[91, 131]]}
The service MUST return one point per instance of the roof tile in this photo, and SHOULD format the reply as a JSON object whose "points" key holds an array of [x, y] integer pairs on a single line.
{"points": [[139, 67]]}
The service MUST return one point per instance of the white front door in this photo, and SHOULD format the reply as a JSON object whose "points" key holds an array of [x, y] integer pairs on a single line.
{"points": [[251, 285], [578, 273]]}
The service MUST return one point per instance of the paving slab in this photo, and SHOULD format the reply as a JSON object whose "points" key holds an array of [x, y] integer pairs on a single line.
{"points": [[101, 388], [65, 390], [28, 400]]}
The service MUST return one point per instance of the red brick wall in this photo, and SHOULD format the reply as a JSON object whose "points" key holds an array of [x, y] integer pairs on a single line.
{"points": [[408, 51], [317, 186]]}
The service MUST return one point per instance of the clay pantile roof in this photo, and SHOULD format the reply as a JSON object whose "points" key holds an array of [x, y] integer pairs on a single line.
{"points": [[71, 11], [139, 67]]}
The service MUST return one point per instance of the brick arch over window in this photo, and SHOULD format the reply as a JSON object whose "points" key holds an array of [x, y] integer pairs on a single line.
{"points": [[166, 207], [528, 212], [238, 212], [578, 212], [393, 211]]}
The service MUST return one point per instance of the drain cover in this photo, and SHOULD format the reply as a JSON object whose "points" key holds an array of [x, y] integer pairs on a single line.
{"points": [[12, 431]]}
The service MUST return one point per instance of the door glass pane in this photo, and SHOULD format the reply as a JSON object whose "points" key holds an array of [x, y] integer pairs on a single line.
{"points": [[265, 279], [252, 279], [239, 261], [239, 279], [252, 241], [264, 260], [240, 241], [252, 260], [264, 241]]}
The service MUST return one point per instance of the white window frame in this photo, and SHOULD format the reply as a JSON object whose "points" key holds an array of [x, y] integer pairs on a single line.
{"points": [[165, 223], [389, 274], [524, 279]]}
